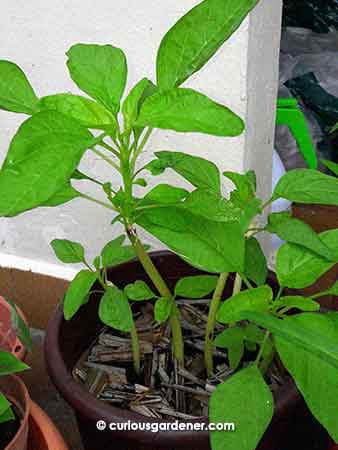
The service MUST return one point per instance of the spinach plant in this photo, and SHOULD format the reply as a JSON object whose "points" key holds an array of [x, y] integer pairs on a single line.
{"points": [[213, 233]]}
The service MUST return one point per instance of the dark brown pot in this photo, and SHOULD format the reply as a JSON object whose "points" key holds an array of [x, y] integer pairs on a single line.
{"points": [[320, 218], [66, 341]]}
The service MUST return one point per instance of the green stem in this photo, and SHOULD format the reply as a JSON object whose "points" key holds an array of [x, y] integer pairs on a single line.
{"points": [[99, 202], [139, 149], [209, 335], [261, 350], [110, 148], [135, 345], [163, 289], [237, 285], [105, 158]]}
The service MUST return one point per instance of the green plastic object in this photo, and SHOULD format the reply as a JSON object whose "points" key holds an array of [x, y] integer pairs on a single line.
{"points": [[289, 113]]}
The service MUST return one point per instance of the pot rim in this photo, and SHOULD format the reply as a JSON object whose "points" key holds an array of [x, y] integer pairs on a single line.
{"points": [[24, 419], [87, 404]]}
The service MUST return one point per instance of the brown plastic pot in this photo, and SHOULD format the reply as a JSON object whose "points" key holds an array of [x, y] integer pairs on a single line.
{"points": [[43, 434], [66, 341], [15, 391], [320, 218], [8, 337]]}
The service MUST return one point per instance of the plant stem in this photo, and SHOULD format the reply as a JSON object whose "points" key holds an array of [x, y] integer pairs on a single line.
{"points": [[163, 289], [105, 158], [139, 149], [237, 284], [261, 350], [99, 202], [209, 335], [135, 345], [110, 148]]}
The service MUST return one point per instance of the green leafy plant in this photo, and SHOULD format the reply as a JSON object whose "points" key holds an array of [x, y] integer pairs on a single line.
{"points": [[9, 364], [211, 232]]}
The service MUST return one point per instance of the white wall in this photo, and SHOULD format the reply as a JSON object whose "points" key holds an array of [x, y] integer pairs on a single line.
{"points": [[243, 75]]}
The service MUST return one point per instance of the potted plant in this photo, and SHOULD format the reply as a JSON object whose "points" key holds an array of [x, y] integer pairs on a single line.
{"points": [[251, 333]]}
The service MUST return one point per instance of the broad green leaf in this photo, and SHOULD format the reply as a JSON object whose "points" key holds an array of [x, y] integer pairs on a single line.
{"points": [[196, 37], [306, 338], [232, 339], [9, 364], [307, 186], [256, 268], [212, 205], [296, 301], [64, 195], [298, 232], [41, 159], [186, 110], [245, 187], [100, 71], [139, 291], [210, 246], [331, 165], [162, 309], [68, 251], [200, 172], [20, 326], [135, 99], [77, 293], [164, 194], [315, 378], [297, 267], [6, 413], [250, 300], [235, 400], [115, 253], [16, 93], [197, 286], [88, 113], [115, 311]]}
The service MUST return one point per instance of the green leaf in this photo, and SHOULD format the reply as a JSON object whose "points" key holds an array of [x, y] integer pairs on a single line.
{"points": [[232, 339], [331, 165], [252, 333], [20, 326], [250, 300], [212, 206], [298, 232], [10, 364], [186, 110], [140, 182], [245, 187], [164, 194], [88, 113], [200, 172], [256, 268], [315, 378], [162, 309], [100, 71], [135, 99], [297, 267], [139, 291], [6, 413], [305, 338], [41, 159], [115, 311], [114, 253], [97, 262], [307, 186], [296, 301], [64, 195], [16, 93], [210, 246], [235, 400], [197, 286], [68, 251], [196, 37], [77, 293], [333, 290]]}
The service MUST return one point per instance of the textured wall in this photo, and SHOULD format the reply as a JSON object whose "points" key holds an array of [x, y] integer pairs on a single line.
{"points": [[243, 75]]}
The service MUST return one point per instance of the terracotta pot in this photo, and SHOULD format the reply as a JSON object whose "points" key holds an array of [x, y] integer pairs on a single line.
{"points": [[320, 218], [8, 338], [43, 435], [66, 341], [15, 391]]}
